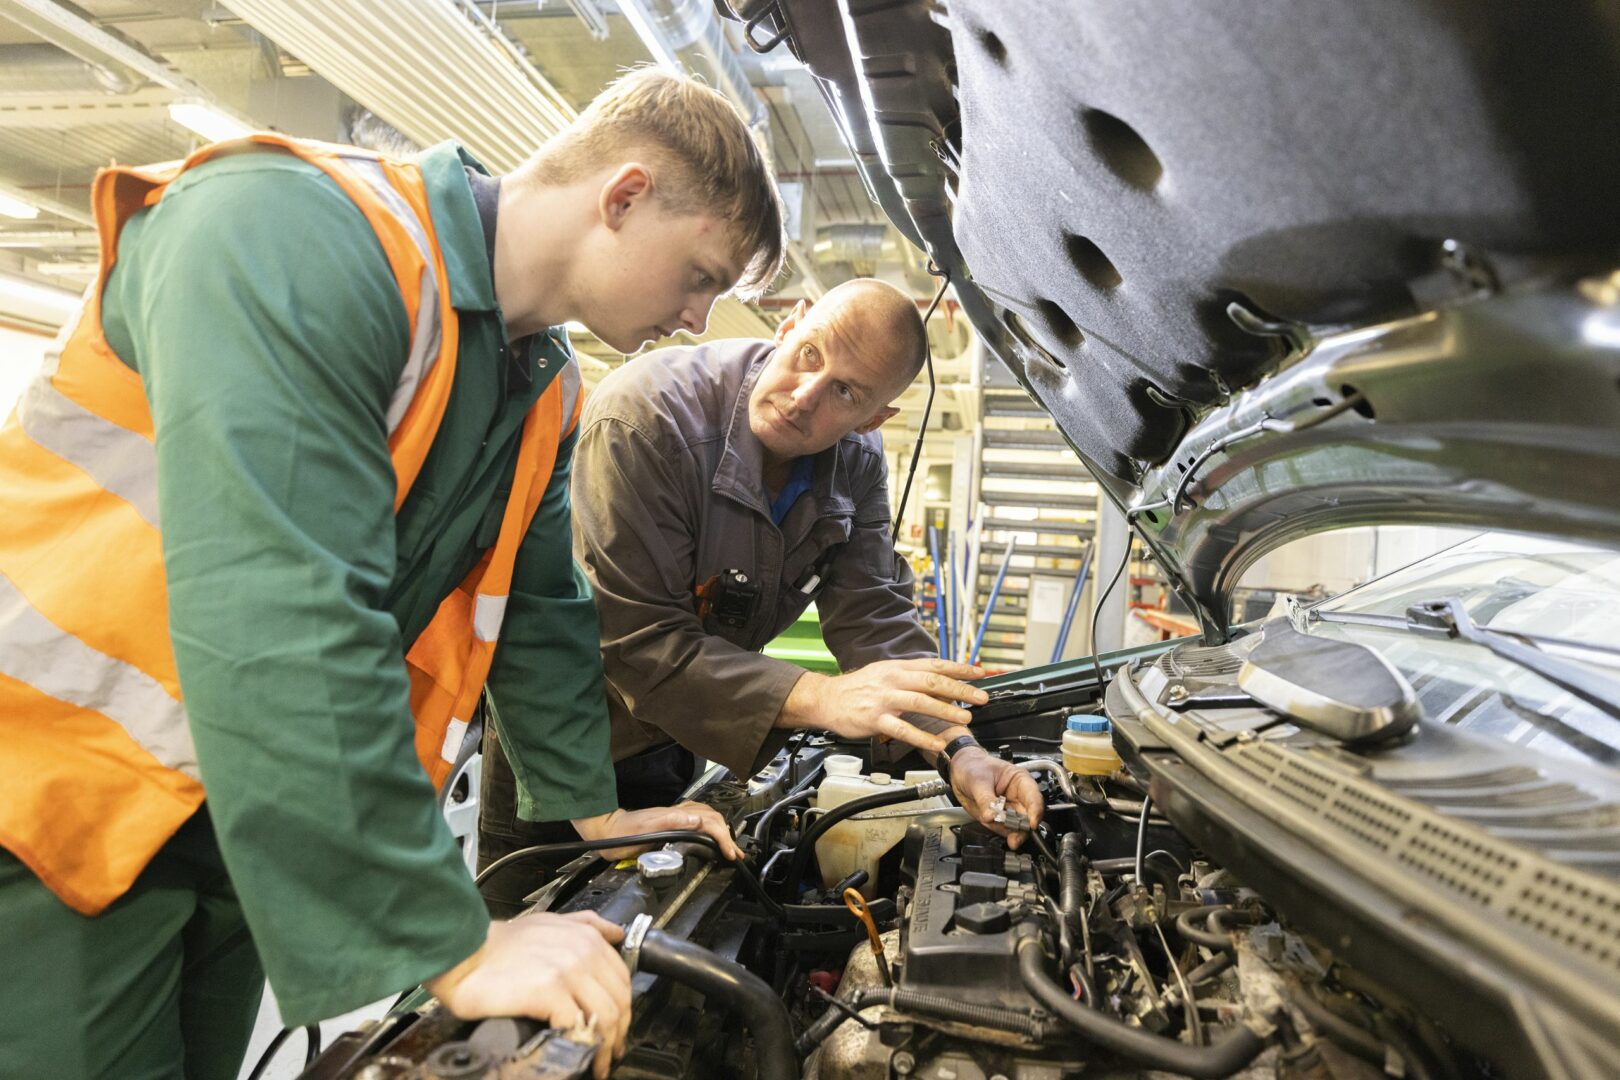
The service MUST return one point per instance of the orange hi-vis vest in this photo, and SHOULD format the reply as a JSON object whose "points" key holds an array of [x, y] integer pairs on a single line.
{"points": [[94, 741]]}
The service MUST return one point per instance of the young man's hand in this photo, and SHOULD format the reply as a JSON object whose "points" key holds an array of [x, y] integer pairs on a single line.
{"points": [[562, 969], [979, 778], [871, 700], [686, 815]]}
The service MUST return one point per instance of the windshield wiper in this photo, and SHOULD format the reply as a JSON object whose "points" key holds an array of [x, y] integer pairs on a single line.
{"points": [[1447, 618]]}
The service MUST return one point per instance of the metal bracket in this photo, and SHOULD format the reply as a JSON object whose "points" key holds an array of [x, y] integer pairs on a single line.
{"points": [[635, 935]]}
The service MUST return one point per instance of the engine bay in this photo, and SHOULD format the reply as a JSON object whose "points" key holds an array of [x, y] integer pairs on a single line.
{"points": [[1145, 927]]}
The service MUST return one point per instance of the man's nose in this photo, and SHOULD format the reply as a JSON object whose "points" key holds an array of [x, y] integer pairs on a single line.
{"points": [[807, 392]]}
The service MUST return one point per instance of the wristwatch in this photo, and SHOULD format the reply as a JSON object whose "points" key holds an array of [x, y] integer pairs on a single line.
{"points": [[952, 748]]}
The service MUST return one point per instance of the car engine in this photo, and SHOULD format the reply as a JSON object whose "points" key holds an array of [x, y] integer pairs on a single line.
{"points": [[891, 935]]}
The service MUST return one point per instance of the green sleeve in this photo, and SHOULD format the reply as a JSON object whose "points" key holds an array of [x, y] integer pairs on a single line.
{"points": [[547, 675], [258, 307]]}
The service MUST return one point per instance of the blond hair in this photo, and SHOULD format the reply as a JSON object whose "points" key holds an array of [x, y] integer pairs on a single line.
{"points": [[707, 160]]}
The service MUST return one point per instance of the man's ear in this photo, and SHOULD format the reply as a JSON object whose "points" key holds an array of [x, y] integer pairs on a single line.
{"points": [[786, 325], [881, 417], [629, 184]]}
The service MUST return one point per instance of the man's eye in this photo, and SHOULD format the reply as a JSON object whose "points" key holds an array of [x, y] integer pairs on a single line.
{"points": [[845, 392], [704, 280]]}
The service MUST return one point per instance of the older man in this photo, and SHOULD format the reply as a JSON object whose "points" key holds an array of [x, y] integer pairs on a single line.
{"points": [[718, 490]]}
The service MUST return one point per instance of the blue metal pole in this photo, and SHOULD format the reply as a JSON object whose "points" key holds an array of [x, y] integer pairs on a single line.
{"points": [[941, 619], [995, 593], [1074, 604], [950, 580]]}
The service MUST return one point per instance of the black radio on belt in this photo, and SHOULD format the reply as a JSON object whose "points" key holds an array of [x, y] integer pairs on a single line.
{"points": [[730, 596]]}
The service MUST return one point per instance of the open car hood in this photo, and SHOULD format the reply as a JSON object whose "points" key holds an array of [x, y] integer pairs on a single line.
{"points": [[1270, 276]]}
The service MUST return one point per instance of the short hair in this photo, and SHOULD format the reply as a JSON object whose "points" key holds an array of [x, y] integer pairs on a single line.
{"points": [[707, 160]]}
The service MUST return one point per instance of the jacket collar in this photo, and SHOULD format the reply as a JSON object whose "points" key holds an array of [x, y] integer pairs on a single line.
{"points": [[459, 228]]}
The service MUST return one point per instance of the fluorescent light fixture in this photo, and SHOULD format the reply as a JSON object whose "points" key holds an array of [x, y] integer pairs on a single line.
{"points": [[211, 123], [28, 300], [576, 328], [641, 22], [13, 207]]}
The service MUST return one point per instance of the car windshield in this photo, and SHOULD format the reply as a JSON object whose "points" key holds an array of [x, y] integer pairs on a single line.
{"points": [[1563, 597]]}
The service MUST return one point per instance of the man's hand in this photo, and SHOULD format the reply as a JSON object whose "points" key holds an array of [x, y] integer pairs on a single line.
{"points": [[870, 701], [979, 778], [558, 968], [686, 815]]}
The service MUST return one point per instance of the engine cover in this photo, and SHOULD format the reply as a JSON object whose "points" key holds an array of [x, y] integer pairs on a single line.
{"points": [[968, 894]]}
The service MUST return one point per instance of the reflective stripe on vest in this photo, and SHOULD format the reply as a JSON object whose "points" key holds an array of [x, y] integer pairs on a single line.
{"points": [[448, 668], [94, 738]]}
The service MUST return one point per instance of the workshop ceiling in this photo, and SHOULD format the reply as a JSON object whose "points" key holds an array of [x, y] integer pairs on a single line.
{"points": [[88, 85]]}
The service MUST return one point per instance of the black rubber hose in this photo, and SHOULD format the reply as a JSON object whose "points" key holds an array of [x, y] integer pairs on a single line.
{"points": [[732, 986], [1210, 968], [1227, 921], [1134, 1044], [928, 1005], [1189, 926], [1360, 1042], [807, 843], [1072, 882]]}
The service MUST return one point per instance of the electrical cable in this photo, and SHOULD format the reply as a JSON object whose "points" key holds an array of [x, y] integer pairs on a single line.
{"points": [[668, 836], [1096, 613], [928, 408], [312, 1048]]}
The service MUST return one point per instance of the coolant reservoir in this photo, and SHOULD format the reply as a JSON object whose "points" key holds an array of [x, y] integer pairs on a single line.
{"points": [[859, 842], [1088, 747]]}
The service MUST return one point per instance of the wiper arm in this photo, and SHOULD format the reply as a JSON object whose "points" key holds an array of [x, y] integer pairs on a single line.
{"points": [[1449, 619]]}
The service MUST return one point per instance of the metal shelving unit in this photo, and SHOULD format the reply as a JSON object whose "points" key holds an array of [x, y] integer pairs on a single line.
{"points": [[1032, 492]]}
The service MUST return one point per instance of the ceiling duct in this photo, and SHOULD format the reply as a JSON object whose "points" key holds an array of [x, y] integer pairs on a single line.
{"points": [[70, 30], [862, 246], [38, 68], [689, 31]]}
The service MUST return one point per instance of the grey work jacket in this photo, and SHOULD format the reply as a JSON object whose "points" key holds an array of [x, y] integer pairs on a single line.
{"points": [[668, 492]]}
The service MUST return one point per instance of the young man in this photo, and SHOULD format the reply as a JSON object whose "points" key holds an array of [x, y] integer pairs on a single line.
{"points": [[761, 457], [312, 423]]}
